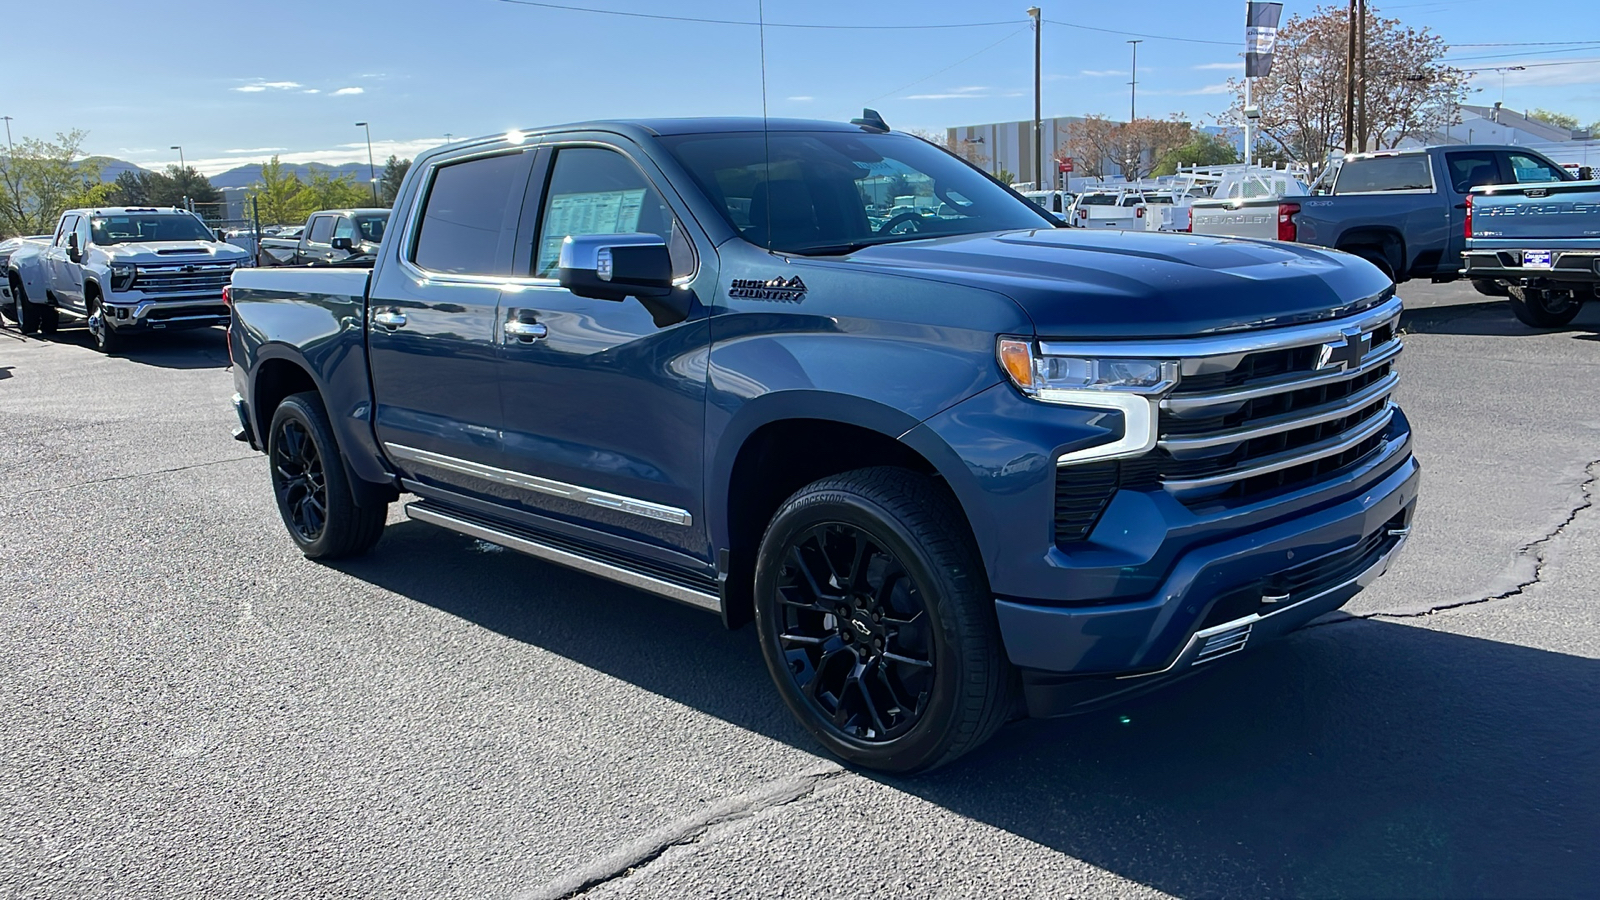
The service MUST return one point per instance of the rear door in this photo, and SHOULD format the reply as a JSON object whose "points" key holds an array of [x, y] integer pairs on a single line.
{"points": [[432, 325], [605, 409]]}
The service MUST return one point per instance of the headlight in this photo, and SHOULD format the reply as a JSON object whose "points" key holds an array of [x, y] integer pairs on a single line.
{"points": [[1130, 386], [122, 276]]}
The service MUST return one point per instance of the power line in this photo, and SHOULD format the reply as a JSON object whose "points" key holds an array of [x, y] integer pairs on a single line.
{"points": [[1526, 44], [566, 7], [1153, 37]]}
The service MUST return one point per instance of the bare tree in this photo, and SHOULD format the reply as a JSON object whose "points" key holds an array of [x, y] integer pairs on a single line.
{"points": [[1409, 91], [1098, 145]]}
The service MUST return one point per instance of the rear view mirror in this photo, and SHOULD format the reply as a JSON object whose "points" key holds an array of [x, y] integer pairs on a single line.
{"points": [[343, 243], [615, 266], [74, 253]]}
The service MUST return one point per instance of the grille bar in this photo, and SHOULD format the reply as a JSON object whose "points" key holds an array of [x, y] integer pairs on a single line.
{"points": [[1267, 465], [1318, 415], [1181, 404]]}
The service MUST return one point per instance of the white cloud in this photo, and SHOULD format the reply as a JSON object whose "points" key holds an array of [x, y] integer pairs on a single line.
{"points": [[801, 99], [1102, 73], [256, 87], [1219, 67], [257, 150], [960, 93], [311, 91], [1208, 90], [333, 156], [1577, 71], [348, 92]]}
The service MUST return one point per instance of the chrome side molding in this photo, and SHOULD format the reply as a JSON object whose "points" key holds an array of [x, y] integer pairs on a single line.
{"points": [[709, 602], [642, 508]]}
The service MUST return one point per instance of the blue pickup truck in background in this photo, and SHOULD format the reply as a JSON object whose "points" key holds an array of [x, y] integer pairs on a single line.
{"points": [[1543, 240], [954, 462]]}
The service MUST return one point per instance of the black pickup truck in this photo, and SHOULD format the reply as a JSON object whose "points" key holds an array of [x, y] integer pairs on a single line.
{"points": [[953, 460], [1404, 211], [329, 236]]}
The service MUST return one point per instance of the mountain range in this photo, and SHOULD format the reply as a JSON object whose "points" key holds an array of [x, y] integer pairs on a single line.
{"points": [[241, 176]]}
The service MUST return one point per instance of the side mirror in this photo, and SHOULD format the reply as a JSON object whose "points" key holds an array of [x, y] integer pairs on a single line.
{"points": [[73, 251], [616, 266], [1585, 173], [343, 243]]}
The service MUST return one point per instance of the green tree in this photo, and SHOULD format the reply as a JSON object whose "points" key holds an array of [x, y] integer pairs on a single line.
{"points": [[1202, 150], [327, 192], [281, 197], [42, 178], [394, 172], [169, 188], [1559, 120]]}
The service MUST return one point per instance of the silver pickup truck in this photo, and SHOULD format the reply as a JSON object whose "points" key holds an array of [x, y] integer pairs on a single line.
{"points": [[1543, 241]]}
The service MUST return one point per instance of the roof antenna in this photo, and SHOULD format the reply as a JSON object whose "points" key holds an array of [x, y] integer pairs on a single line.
{"points": [[871, 121], [766, 133]]}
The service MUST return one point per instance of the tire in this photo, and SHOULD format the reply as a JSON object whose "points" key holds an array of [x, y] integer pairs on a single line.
{"points": [[1540, 308], [49, 319], [917, 622], [105, 336], [1490, 288], [310, 485], [25, 313]]}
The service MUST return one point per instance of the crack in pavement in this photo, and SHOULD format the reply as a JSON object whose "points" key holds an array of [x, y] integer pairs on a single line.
{"points": [[1527, 564], [79, 484], [636, 855]]}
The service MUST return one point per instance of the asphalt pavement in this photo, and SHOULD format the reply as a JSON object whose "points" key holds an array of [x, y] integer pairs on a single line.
{"points": [[191, 709]]}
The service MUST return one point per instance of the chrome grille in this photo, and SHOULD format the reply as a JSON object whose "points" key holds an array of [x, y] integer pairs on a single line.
{"points": [[209, 277], [1245, 424]]}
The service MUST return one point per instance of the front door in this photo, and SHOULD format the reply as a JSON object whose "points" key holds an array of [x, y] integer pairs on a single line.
{"points": [[432, 324], [602, 403], [60, 269]]}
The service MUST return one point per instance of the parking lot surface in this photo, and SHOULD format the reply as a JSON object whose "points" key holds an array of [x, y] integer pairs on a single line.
{"points": [[191, 709]]}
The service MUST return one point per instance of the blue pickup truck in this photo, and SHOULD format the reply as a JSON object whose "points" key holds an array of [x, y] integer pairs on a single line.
{"points": [[1543, 241], [954, 462]]}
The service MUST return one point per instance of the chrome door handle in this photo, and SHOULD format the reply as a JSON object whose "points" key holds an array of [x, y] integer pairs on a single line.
{"points": [[527, 331], [389, 319]]}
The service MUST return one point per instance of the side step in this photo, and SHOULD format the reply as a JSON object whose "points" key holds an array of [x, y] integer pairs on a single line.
{"points": [[562, 557]]}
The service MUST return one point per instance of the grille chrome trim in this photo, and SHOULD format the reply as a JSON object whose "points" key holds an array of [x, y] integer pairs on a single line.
{"points": [[1277, 463], [1187, 403], [1316, 415]]}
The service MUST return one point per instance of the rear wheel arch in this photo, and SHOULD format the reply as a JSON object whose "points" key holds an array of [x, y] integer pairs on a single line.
{"points": [[1383, 247], [276, 379]]}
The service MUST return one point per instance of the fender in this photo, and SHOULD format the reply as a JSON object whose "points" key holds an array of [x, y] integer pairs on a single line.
{"points": [[28, 263]]}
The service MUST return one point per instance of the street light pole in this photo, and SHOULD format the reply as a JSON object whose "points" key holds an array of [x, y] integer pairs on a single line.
{"points": [[1038, 127], [372, 170], [10, 151], [182, 166], [1133, 96]]}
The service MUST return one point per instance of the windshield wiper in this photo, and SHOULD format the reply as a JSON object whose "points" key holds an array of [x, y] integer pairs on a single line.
{"points": [[853, 246]]}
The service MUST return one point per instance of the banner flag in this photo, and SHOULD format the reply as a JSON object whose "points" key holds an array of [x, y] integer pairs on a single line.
{"points": [[1260, 36]]}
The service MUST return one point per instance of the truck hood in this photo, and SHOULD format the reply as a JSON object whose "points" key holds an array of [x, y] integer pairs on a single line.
{"points": [[1134, 284], [151, 253]]}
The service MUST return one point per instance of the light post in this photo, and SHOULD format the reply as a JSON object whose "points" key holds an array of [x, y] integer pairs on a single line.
{"points": [[372, 170], [10, 151], [181, 165], [447, 137], [1133, 96], [1038, 127]]}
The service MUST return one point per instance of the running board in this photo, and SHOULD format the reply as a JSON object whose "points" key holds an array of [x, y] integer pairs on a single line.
{"points": [[550, 553]]}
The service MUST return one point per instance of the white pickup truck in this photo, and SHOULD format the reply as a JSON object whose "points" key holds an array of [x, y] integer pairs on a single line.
{"points": [[124, 269], [1109, 209]]}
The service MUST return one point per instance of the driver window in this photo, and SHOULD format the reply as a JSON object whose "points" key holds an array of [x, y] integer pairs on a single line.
{"points": [[594, 190], [82, 230], [65, 229]]}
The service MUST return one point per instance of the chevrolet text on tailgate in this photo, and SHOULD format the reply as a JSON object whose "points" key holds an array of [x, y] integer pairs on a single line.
{"points": [[954, 462]]}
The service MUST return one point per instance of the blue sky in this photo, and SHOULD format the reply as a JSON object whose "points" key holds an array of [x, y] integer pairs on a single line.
{"points": [[234, 83]]}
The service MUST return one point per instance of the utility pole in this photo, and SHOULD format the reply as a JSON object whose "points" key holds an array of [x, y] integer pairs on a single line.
{"points": [[181, 164], [1350, 82], [1038, 128], [1133, 94], [372, 170], [1361, 122], [11, 151]]}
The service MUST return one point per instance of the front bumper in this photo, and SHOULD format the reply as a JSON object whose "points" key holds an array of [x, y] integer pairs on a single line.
{"points": [[165, 314], [1566, 266], [1219, 599]]}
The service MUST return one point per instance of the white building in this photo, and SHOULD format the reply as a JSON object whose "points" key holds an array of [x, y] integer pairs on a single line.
{"points": [[1008, 147]]}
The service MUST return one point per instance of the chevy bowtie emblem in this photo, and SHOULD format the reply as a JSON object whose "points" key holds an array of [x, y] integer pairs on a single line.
{"points": [[1346, 352]]}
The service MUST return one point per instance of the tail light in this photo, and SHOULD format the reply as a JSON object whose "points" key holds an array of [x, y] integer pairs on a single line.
{"points": [[1083, 214], [1189, 225], [1287, 230], [1469, 217], [227, 295], [1138, 213]]}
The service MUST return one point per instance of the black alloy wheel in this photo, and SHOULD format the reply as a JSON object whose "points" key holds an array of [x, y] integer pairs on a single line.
{"points": [[1544, 308], [311, 486], [877, 623], [855, 632], [299, 480]]}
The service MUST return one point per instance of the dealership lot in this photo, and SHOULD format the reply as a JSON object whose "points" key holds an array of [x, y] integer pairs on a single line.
{"points": [[193, 709]]}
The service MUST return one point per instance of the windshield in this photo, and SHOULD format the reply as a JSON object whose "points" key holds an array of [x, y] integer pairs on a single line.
{"points": [[372, 228], [135, 228], [834, 192]]}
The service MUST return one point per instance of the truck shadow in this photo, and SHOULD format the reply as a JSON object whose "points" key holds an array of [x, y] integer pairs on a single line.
{"points": [[1492, 318], [1358, 759], [199, 348]]}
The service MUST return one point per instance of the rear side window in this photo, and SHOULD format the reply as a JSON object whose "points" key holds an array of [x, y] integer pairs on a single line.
{"points": [[1470, 169], [321, 229], [464, 222], [1097, 200], [1384, 173], [1533, 170]]}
